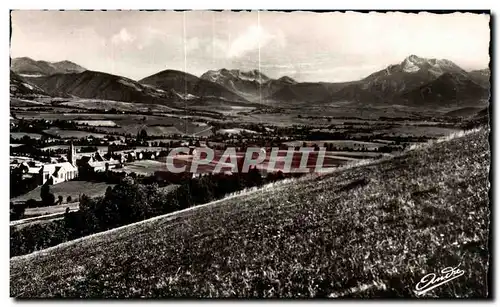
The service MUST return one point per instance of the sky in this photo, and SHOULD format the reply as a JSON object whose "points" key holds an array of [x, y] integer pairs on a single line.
{"points": [[307, 46]]}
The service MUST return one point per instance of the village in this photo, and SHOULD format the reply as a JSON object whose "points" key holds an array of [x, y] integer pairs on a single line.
{"points": [[41, 158]]}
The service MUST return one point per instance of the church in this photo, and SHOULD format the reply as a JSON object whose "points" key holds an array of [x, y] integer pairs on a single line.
{"points": [[60, 172]]}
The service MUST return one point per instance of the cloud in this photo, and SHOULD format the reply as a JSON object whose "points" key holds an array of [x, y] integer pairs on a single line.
{"points": [[253, 38], [192, 44], [122, 37]]}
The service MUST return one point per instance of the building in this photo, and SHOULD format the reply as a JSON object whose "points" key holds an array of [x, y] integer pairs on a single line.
{"points": [[55, 173], [97, 163], [102, 166], [58, 172]]}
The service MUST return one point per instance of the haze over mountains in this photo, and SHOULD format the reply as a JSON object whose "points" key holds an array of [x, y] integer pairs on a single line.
{"points": [[415, 81]]}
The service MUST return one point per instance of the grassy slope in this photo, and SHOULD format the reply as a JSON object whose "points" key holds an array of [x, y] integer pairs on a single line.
{"points": [[378, 227]]}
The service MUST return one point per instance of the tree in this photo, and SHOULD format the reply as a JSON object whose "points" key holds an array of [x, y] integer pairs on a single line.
{"points": [[31, 203], [68, 199], [59, 199], [47, 197], [143, 134]]}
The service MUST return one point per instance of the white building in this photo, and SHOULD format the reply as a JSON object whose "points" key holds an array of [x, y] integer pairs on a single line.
{"points": [[55, 173], [58, 172]]}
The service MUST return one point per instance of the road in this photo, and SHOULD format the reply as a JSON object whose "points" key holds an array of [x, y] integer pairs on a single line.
{"points": [[44, 214]]}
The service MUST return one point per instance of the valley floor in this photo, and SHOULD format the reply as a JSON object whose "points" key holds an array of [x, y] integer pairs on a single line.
{"points": [[369, 231]]}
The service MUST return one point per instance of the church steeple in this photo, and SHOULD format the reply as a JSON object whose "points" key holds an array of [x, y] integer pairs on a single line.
{"points": [[72, 154]]}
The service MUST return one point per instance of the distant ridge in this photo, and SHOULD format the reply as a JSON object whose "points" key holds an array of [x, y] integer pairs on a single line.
{"points": [[99, 85], [185, 84], [25, 66], [253, 84], [481, 76]]}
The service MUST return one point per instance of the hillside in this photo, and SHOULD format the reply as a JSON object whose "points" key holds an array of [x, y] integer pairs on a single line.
{"points": [[447, 88], [367, 231], [481, 77], [20, 87], [189, 86], [99, 85], [28, 67]]}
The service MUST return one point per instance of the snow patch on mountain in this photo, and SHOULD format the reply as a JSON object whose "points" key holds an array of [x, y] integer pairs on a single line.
{"points": [[185, 96], [409, 66], [219, 76], [28, 86]]}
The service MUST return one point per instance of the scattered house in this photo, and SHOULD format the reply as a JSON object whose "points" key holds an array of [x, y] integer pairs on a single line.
{"points": [[97, 163], [28, 169], [102, 166]]}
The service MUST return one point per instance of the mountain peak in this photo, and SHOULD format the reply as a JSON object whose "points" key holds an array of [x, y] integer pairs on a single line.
{"points": [[414, 58], [287, 79], [413, 63], [235, 74]]}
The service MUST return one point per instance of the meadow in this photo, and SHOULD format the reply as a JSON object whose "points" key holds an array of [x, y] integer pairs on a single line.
{"points": [[66, 134], [68, 188], [371, 230], [142, 167]]}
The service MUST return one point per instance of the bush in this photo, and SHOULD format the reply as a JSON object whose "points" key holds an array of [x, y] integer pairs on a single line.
{"points": [[16, 211], [31, 203]]}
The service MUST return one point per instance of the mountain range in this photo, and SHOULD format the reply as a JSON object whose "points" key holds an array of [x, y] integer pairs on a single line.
{"points": [[415, 81]]}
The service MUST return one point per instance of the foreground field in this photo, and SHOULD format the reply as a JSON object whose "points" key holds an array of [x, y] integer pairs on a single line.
{"points": [[367, 231], [69, 188]]}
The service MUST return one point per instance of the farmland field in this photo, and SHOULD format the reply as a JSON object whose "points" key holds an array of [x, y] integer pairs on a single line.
{"points": [[69, 188], [118, 105], [412, 130], [235, 131], [142, 167], [29, 212], [339, 143], [66, 134], [108, 123], [366, 231]]}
